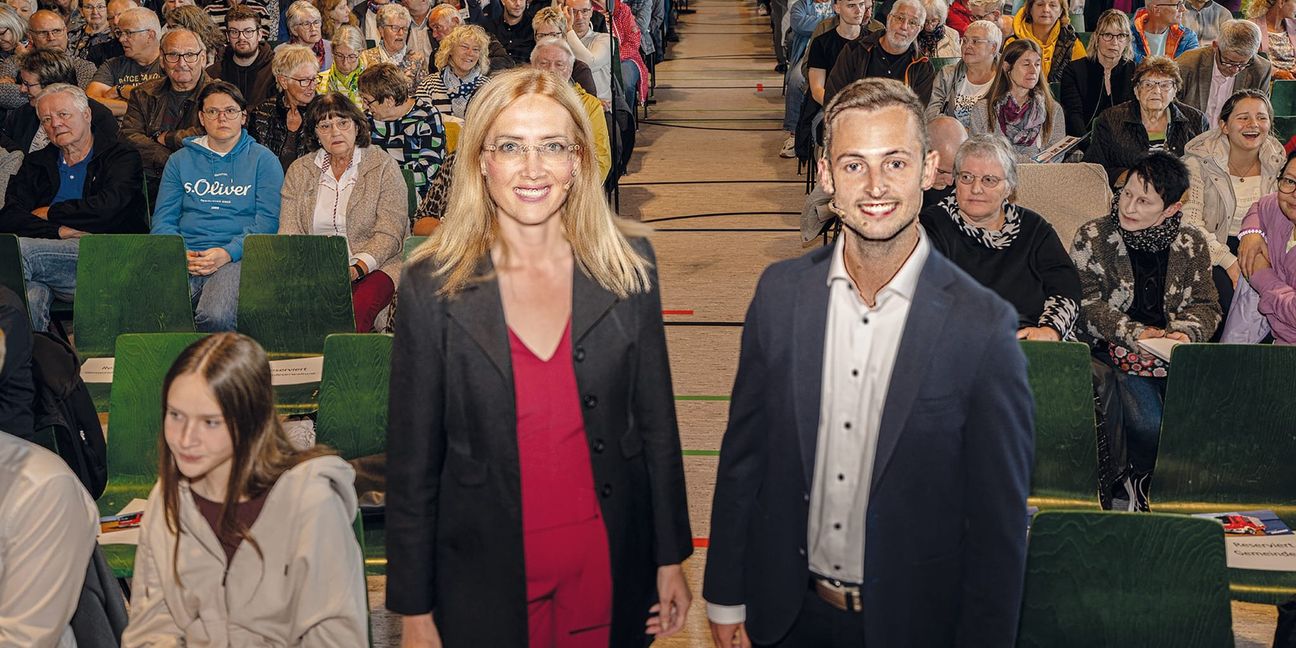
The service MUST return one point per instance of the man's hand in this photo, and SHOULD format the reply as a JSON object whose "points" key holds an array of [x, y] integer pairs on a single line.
{"points": [[41, 212], [667, 616], [419, 631], [205, 263], [66, 232], [730, 635], [1041, 333], [161, 138]]}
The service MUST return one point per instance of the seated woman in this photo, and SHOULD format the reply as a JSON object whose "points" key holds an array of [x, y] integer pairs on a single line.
{"points": [[1266, 299], [348, 189], [433, 206], [306, 27], [461, 68], [1047, 23], [1152, 121], [936, 40], [1102, 79], [393, 45], [1230, 168], [1143, 276], [960, 86], [246, 541], [1277, 21], [1009, 249], [407, 128], [215, 190], [1019, 105], [277, 122], [344, 75]]}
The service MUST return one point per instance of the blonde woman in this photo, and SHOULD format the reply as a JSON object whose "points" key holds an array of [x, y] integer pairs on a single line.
{"points": [[535, 484], [461, 67]]}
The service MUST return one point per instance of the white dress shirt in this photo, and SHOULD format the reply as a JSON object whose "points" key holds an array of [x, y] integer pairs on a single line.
{"points": [[331, 202], [860, 347]]}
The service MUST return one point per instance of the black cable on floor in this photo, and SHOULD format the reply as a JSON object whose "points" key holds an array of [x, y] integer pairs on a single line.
{"points": [[700, 182], [711, 128], [709, 215]]}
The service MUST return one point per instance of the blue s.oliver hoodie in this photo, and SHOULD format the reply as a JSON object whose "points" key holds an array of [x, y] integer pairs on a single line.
{"points": [[214, 200]]}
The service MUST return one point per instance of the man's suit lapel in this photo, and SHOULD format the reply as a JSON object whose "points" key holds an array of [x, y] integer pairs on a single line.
{"points": [[809, 329], [918, 344], [1205, 74]]}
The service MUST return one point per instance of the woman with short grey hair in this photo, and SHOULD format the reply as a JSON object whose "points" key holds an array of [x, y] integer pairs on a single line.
{"points": [[958, 87], [936, 39], [1008, 248], [13, 30], [344, 75], [306, 27], [393, 45]]}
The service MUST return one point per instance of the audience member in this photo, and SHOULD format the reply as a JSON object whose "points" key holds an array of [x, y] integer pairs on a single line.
{"points": [[1143, 276], [946, 135], [139, 34], [82, 184], [37, 70], [1264, 303], [17, 389], [47, 32], [1205, 18], [1157, 31], [1277, 21], [219, 188], [827, 47], [966, 12], [344, 76], [634, 72], [1008, 248], [393, 47], [461, 71], [512, 28], [25, 8], [1019, 105], [276, 123], [352, 190], [803, 17], [101, 51], [591, 47], [305, 27], [554, 55], [1214, 73], [890, 54], [13, 33], [960, 86], [527, 152], [551, 22], [96, 31], [48, 536], [420, 33], [778, 27], [335, 13], [1152, 121], [268, 10], [406, 127], [70, 12], [444, 18], [1230, 167], [935, 40], [366, 18], [960, 16], [1102, 79], [432, 208], [226, 468], [170, 5], [200, 23], [1048, 24], [162, 112], [247, 61]]}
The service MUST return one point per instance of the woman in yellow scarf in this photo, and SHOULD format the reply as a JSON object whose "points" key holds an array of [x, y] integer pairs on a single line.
{"points": [[1048, 23]]}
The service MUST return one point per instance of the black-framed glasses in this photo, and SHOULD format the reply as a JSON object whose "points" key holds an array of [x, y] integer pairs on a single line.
{"points": [[28, 86], [187, 57], [225, 113], [1116, 37], [127, 33], [47, 33], [1226, 64], [1286, 185], [987, 181], [241, 33], [308, 82]]}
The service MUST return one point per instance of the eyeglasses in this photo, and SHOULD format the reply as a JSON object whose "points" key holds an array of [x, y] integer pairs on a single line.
{"points": [[350, 58], [513, 152], [543, 35], [127, 33], [1178, 5], [1226, 64], [222, 113], [583, 12], [341, 125], [978, 41], [47, 33], [1286, 185], [301, 83], [399, 29], [901, 21], [1109, 37], [989, 181], [175, 57], [241, 33], [1159, 86], [368, 102], [308, 23], [28, 86]]}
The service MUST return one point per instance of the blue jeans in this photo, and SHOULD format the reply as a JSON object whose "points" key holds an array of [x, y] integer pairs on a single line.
{"points": [[630, 82], [49, 268], [1142, 403], [215, 299], [797, 85]]}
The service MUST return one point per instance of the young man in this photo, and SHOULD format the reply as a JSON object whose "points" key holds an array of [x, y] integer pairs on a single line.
{"points": [[247, 59], [876, 384], [826, 47], [890, 54], [139, 33], [513, 29]]}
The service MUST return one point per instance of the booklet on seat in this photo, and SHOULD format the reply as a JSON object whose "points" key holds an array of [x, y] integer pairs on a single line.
{"points": [[1256, 540]]}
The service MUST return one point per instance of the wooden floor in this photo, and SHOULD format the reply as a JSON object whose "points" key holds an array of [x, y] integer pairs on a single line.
{"points": [[707, 175]]}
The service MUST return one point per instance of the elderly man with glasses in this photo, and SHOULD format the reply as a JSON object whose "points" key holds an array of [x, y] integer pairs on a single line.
{"points": [[890, 53], [1157, 30], [48, 32], [246, 62], [163, 112], [1212, 74], [138, 32]]}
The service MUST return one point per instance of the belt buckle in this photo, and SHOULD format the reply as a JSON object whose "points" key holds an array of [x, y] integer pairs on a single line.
{"points": [[839, 595]]}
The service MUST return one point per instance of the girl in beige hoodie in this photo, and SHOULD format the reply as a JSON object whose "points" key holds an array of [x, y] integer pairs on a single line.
{"points": [[245, 541]]}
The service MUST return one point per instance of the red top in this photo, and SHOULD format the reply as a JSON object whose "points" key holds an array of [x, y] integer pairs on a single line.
{"points": [[557, 481]]}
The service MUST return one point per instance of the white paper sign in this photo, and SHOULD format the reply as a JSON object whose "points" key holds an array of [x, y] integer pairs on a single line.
{"points": [[97, 370], [296, 371], [125, 536], [1268, 553]]}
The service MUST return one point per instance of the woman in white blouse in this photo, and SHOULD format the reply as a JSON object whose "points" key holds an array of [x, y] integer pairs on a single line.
{"points": [[346, 189]]}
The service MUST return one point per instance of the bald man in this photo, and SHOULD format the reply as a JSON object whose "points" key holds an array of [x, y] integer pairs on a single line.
{"points": [[947, 135]]}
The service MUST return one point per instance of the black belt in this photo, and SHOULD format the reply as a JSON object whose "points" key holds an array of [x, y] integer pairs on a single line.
{"points": [[843, 596]]}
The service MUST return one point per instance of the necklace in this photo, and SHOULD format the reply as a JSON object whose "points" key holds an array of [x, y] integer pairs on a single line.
{"points": [[1244, 173]]}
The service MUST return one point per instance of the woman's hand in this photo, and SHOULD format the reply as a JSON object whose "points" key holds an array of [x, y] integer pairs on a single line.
{"points": [[1151, 332], [1251, 248], [419, 631], [667, 616], [207, 262], [1040, 333], [1234, 272], [1178, 335]]}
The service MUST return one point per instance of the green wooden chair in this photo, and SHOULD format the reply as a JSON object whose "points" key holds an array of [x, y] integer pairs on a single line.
{"points": [[1284, 127], [294, 292], [1228, 444], [128, 283], [941, 62], [1084, 37], [1056, 89], [11, 266], [353, 394], [1066, 453], [1283, 96], [1120, 579], [411, 244], [135, 423]]}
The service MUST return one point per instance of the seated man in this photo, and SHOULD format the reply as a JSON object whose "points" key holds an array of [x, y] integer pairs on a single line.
{"points": [[47, 31], [1206, 18], [82, 184], [45, 543], [1157, 32], [163, 112], [513, 29], [550, 22], [36, 70], [555, 55], [890, 53], [444, 18], [139, 33], [247, 60], [825, 47], [1213, 73], [407, 127], [591, 47]]}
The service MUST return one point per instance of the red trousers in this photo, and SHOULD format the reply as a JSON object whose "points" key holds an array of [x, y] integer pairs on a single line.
{"points": [[369, 296], [569, 586]]}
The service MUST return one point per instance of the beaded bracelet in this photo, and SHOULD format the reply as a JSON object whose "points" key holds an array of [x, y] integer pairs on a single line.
{"points": [[1254, 230]]}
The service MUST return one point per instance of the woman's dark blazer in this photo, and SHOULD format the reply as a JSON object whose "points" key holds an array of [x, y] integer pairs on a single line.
{"points": [[1082, 92], [454, 517]]}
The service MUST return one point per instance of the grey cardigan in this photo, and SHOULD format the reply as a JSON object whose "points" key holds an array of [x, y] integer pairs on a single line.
{"points": [[376, 214], [945, 90], [981, 124], [1211, 203]]}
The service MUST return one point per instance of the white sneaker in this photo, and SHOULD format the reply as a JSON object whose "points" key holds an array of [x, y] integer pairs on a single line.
{"points": [[762, 10], [789, 147]]}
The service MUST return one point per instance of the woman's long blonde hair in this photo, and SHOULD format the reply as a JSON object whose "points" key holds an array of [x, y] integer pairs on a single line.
{"points": [[597, 236]]}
